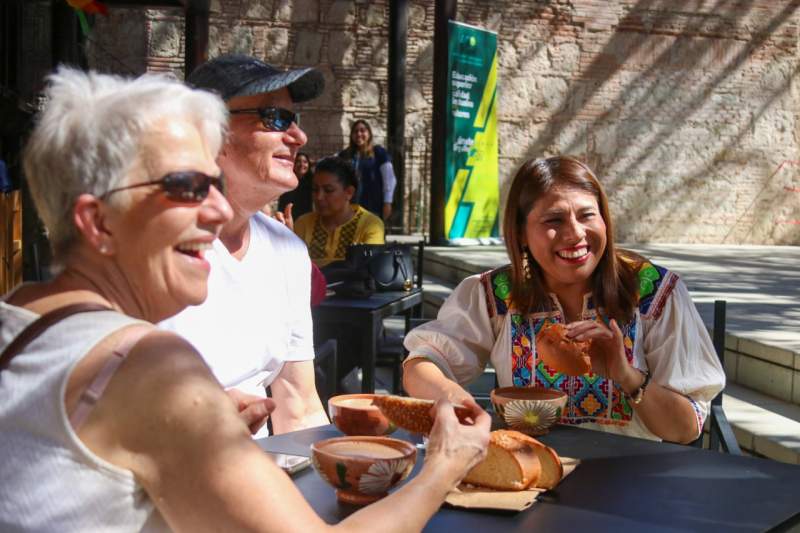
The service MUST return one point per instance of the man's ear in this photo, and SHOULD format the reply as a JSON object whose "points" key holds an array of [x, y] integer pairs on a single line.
{"points": [[88, 214]]}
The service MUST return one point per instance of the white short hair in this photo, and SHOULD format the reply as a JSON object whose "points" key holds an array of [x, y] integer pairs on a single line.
{"points": [[89, 134]]}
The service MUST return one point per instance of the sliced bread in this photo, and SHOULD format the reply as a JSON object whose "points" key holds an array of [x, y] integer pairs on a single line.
{"points": [[511, 464], [552, 469]]}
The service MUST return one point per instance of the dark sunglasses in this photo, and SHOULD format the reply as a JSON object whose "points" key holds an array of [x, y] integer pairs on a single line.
{"points": [[273, 118], [185, 187]]}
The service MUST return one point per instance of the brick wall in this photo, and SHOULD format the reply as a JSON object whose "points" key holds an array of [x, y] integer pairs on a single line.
{"points": [[688, 111]]}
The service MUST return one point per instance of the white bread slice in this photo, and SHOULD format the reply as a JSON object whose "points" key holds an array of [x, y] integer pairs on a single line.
{"points": [[411, 414], [510, 464], [552, 469]]}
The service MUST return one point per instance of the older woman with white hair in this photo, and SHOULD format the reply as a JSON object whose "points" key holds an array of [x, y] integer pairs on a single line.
{"points": [[108, 423]]}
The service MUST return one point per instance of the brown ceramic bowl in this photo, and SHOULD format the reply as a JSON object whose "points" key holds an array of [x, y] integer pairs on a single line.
{"points": [[363, 469], [354, 414], [531, 410]]}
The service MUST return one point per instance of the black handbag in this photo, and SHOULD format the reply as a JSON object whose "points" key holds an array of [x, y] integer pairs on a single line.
{"points": [[388, 265]]}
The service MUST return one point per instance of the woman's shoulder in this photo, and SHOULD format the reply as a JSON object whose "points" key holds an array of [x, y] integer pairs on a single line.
{"points": [[367, 216], [381, 154], [496, 285], [655, 283]]}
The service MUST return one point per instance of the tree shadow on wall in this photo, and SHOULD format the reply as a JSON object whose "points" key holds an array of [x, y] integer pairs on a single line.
{"points": [[647, 90]]}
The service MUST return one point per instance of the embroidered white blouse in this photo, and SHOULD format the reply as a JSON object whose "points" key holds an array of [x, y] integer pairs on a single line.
{"points": [[669, 339]]}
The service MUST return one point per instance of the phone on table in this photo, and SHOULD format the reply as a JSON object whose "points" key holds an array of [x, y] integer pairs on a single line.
{"points": [[290, 464]]}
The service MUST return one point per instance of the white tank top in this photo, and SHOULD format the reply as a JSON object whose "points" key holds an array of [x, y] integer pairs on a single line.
{"points": [[49, 480]]}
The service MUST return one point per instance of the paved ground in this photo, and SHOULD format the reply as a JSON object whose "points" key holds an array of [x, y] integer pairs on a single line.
{"points": [[760, 283]]}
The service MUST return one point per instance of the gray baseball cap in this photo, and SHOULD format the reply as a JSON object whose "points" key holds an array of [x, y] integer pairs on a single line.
{"points": [[241, 75]]}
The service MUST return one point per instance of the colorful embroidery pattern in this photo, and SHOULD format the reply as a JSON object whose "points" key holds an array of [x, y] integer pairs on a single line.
{"points": [[701, 420], [655, 286], [592, 398], [497, 288], [522, 350], [501, 285]]}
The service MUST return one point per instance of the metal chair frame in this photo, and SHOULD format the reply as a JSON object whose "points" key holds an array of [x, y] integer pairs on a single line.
{"points": [[394, 356], [720, 433]]}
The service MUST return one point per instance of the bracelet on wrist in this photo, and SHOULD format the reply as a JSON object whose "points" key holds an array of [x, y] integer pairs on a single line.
{"points": [[636, 396]]}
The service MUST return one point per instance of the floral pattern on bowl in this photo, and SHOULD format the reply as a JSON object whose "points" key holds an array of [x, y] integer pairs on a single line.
{"points": [[360, 479], [531, 410], [530, 416]]}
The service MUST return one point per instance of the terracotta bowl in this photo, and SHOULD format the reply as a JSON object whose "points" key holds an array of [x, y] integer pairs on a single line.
{"points": [[354, 414], [363, 469], [531, 410]]}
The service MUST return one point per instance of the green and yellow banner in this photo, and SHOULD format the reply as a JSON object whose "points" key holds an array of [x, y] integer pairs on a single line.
{"points": [[472, 193]]}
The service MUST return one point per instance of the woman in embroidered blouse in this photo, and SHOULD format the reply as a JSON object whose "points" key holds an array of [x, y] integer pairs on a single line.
{"points": [[566, 268], [336, 223], [373, 166]]}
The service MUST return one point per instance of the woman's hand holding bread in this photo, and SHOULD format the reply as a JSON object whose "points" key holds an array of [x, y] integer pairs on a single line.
{"points": [[455, 447], [607, 351]]}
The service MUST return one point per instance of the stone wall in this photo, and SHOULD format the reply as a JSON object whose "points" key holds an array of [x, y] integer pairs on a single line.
{"points": [[688, 111]]}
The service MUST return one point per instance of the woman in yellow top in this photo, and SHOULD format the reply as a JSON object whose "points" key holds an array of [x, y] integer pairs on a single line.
{"points": [[336, 223]]}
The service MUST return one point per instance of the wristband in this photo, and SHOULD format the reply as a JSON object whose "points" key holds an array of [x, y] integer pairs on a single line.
{"points": [[636, 396]]}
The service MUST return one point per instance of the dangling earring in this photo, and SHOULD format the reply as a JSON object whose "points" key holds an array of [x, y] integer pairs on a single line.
{"points": [[526, 265]]}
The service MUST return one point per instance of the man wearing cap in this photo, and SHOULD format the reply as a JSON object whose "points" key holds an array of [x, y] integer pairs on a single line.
{"points": [[254, 329]]}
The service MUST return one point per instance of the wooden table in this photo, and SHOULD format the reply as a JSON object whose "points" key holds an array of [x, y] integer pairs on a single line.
{"points": [[622, 484], [367, 314]]}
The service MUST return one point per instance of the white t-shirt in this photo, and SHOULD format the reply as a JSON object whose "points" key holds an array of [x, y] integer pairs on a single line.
{"points": [[257, 315]]}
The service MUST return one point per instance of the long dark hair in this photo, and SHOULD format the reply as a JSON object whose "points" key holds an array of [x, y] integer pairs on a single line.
{"points": [[614, 281]]}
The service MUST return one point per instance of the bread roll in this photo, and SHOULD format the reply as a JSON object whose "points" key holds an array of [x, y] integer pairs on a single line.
{"points": [[412, 414], [510, 464], [561, 353]]}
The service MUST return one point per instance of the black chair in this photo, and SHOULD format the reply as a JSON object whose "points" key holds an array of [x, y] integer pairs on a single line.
{"points": [[325, 370], [481, 388], [391, 352], [720, 433]]}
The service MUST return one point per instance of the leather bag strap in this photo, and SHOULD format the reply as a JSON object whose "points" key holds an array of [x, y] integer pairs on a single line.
{"points": [[40, 325]]}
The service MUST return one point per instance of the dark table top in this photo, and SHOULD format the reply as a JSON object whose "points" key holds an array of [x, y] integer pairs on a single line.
{"points": [[376, 301], [622, 484]]}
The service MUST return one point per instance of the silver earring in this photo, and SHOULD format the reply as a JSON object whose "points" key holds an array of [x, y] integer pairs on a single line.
{"points": [[526, 265], [103, 249]]}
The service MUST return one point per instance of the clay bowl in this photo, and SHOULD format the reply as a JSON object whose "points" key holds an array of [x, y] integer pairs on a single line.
{"points": [[531, 410], [354, 414], [363, 469]]}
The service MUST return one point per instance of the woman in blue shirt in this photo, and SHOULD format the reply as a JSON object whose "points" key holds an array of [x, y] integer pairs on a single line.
{"points": [[374, 169]]}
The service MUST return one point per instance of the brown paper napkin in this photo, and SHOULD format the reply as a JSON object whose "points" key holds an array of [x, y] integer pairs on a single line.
{"points": [[517, 500]]}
